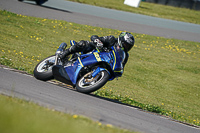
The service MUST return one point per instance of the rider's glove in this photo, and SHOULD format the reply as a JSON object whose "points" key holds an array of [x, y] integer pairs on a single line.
{"points": [[61, 55], [98, 43]]}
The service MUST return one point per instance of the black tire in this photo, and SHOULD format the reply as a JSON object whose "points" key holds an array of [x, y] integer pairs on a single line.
{"points": [[43, 74], [38, 2], [104, 76]]}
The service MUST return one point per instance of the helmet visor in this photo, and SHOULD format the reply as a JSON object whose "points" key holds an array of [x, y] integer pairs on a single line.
{"points": [[127, 46]]}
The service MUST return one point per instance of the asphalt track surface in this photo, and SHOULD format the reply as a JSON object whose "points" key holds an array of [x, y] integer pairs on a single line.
{"points": [[97, 108], [68, 100], [102, 17]]}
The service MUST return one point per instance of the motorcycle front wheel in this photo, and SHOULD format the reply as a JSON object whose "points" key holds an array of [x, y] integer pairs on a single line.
{"points": [[43, 70], [88, 84]]}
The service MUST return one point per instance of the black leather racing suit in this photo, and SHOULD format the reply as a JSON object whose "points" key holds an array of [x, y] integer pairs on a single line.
{"points": [[86, 46]]}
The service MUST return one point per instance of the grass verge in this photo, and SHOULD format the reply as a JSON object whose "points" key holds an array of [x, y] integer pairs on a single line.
{"points": [[20, 116], [150, 9], [161, 74]]}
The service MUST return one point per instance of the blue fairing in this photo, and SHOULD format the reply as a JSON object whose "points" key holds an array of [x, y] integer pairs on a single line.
{"points": [[119, 56], [113, 59]]}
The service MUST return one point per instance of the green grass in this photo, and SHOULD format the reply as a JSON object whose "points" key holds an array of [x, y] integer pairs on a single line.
{"points": [[20, 116], [150, 9], [162, 75]]}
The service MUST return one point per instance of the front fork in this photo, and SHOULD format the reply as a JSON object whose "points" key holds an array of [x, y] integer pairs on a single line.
{"points": [[56, 60]]}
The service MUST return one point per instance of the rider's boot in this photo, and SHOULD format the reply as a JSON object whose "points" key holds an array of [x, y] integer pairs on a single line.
{"points": [[65, 53], [77, 47]]}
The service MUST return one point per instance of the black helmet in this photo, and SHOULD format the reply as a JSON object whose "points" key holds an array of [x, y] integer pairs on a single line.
{"points": [[126, 40]]}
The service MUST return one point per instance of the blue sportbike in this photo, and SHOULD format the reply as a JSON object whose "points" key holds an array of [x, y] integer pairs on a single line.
{"points": [[85, 72]]}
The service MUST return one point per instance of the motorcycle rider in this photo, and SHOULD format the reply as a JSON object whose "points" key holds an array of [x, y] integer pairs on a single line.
{"points": [[125, 42]]}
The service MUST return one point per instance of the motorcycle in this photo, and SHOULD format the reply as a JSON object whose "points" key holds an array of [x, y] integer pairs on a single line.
{"points": [[85, 72], [38, 2]]}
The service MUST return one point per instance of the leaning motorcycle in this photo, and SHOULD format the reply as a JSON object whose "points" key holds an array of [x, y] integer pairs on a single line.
{"points": [[85, 72]]}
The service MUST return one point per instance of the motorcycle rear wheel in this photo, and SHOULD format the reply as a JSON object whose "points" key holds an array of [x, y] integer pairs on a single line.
{"points": [[42, 71], [88, 85]]}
